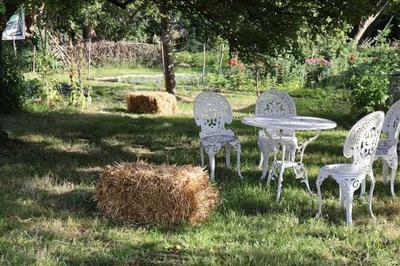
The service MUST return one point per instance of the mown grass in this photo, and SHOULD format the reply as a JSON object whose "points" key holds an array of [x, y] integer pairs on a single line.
{"points": [[49, 170]]}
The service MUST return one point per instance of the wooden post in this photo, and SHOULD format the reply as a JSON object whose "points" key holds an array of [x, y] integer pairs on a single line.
{"points": [[204, 62], [14, 46], [89, 56], [34, 60], [162, 57], [258, 82], [221, 58]]}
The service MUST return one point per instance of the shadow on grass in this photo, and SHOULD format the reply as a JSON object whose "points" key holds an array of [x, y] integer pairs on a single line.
{"points": [[71, 146]]}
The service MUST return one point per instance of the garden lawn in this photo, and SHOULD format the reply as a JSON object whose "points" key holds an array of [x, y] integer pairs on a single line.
{"points": [[48, 174]]}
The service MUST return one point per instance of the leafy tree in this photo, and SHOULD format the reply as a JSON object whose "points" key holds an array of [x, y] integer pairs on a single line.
{"points": [[254, 27]]}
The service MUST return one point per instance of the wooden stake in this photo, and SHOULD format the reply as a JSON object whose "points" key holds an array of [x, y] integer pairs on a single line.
{"points": [[222, 57], [34, 60], [204, 62], [257, 83], [89, 57], [162, 57], [15, 47]]}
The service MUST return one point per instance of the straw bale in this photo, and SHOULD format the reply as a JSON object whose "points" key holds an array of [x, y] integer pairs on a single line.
{"points": [[156, 194], [151, 103]]}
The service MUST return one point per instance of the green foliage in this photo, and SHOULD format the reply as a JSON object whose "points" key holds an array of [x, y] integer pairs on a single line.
{"points": [[11, 85], [2, 8], [370, 94], [368, 76], [195, 59], [235, 78]]}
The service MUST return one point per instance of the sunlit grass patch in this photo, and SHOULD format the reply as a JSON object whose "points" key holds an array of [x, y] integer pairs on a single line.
{"points": [[48, 174]]}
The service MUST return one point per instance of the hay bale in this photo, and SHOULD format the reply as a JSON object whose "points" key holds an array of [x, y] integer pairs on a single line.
{"points": [[151, 103], [151, 194]]}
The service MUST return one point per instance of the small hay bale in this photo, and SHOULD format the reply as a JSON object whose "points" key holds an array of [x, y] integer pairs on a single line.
{"points": [[156, 194], [151, 103]]}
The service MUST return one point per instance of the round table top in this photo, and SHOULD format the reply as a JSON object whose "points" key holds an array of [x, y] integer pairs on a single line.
{"points": [[289, 122]]}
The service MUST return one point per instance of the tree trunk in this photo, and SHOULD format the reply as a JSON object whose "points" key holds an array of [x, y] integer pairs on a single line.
{"points": [[166, 40], [364, 25]]}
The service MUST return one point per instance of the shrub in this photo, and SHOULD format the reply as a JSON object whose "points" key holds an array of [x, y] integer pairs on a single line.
{"points": [[237, 77], [368, 78], [11, 86], [106, 52], [317, 69], [371, 93]]}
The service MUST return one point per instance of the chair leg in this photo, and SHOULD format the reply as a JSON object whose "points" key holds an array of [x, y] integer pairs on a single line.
{"points": [[278, 194], [363, 187], [341, 198], [385, 171], [301, 172], [238, 151], [349, 206], [228, 155], [263, 159], [320, 180], [392, 179], [261, 164], [371, 193], [211, 158], [307, 183], [202, 154], [272, 173], [265, 164]]}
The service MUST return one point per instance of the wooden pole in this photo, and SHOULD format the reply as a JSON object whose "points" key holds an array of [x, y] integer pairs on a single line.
{"points": [[204, 62], [258, 82], [222, 57], [34, 60], [14, 45], [89, 57], [162, 57]]}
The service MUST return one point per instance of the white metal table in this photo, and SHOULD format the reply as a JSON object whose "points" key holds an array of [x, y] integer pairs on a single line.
{"points": [[296, 123]]}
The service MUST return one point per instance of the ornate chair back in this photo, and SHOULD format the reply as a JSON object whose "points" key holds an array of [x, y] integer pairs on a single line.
{"points": [[391, 125], [362, 140], [275, 103], [211, 112]]}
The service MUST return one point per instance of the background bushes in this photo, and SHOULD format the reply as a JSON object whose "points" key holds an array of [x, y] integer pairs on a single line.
{"points": [[11, 85], [116, 53]]}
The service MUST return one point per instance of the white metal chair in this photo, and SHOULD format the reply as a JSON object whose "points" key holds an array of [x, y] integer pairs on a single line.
{"points": [[387, 148], [211, 112], [275, 103], [361, 145]]}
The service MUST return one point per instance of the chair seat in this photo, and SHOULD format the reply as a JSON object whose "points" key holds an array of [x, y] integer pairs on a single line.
{"points": [[219, 139], [343, 169], [278, 164], [285, 139]]}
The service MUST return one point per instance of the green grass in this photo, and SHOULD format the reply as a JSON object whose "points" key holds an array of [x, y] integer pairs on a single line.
{"points": [[49, 170]]}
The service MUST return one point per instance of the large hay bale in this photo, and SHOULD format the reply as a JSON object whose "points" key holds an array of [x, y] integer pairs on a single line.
{"points": [[151, 103], [151, 194]]}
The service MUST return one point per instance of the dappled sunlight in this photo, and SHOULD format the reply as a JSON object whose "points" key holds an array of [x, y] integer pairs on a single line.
{"points": [[53, 196]]}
